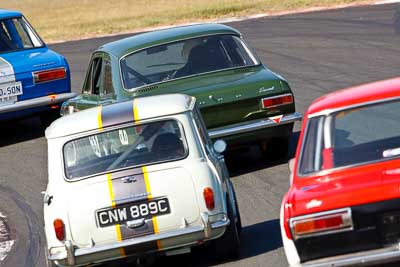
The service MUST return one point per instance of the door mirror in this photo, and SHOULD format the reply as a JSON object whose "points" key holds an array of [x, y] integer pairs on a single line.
{"points": [[291, 169], [220, 146]]}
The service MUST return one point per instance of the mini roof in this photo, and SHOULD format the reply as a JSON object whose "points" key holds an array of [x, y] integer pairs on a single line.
{"points": [[140, 108]]}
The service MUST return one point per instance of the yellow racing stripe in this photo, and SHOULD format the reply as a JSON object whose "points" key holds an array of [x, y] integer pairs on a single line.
{"points": [[146, 179], [155, 225], [99, 119], [117, 227], [110, 190], [147, 183], [149, 197], [156, 231], [119, 235], [135, 111]]}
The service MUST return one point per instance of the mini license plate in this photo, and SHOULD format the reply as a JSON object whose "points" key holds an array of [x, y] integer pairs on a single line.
{"points": [[9, 90], [133, 211]]}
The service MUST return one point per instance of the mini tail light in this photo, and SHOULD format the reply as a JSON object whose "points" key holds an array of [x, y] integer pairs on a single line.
{"points": [[271, 102], [209, 198], [59, 228], [322, 223], [49, 75]]}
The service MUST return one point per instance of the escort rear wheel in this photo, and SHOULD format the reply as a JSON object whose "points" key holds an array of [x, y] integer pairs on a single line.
{"points": [[277, 148]]}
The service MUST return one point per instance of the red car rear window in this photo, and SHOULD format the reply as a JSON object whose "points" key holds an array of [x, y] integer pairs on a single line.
{"points": [[353, 136]]}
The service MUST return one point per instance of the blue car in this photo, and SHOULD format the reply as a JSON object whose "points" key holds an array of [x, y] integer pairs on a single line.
{"points": [[34, 80]]}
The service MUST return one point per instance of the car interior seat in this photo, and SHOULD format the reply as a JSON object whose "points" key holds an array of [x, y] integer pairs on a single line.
{"points": [[167, 145], [204, 57], [5, 42]]}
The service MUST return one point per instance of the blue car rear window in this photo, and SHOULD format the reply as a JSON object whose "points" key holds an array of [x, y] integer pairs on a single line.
{"points": [[16, 34]]}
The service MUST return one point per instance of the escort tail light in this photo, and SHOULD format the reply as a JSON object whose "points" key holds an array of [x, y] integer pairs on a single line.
{"points": [[49, 75], [321, 223], [209, 198], [275, 101], [59, 229]]}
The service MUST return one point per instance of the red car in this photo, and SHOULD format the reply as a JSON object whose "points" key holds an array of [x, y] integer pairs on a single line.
{"points": [[343, 205]]}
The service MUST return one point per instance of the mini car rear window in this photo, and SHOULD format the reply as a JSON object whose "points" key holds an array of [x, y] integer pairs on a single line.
{"points": [[124, 148], [185, 58], [353, 136], [17, 34]]}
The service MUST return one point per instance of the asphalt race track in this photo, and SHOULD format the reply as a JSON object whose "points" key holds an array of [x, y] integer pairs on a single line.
{"points": [[317, 53]]}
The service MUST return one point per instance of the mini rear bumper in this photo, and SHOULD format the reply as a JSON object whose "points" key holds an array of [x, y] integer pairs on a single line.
{"points": [[36, 102], [365, 258], [254, 125], [70, 255]]}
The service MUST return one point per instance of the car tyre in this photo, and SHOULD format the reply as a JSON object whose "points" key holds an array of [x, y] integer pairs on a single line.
{"points": [[228, 245], [238, 219], [49, 263], [47, 117], [277, 148]]}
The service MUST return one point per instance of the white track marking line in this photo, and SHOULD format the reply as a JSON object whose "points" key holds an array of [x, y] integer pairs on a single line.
{"points": [[5, 242], [5, 247], [384, 2]]}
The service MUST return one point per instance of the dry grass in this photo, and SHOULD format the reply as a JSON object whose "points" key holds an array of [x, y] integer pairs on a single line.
{"points": [[72, 19]]}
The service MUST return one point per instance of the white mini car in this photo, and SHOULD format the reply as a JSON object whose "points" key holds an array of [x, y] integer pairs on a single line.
{"points": [[136, 178]]}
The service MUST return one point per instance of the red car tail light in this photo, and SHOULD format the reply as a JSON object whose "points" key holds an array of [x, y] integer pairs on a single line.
{"points": [[49, 75], [322, 223], [209, 198], [274, 101], [59, 228]]}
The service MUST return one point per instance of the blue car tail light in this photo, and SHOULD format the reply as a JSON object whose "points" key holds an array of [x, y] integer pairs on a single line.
{"points": [[49, 75]]}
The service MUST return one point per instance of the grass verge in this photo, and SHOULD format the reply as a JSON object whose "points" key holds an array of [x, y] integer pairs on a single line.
{"points": [[57, 20]]}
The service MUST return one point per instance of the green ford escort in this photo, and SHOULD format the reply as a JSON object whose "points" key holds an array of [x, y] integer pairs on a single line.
{"points": [[241, 100]]}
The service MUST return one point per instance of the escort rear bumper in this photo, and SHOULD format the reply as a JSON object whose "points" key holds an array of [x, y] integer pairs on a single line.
{"points": [[254, 125], [36, 102]]}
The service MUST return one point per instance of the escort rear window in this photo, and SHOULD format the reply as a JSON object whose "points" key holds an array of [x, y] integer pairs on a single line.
{"points": [[122, 148], [16, 34], [185, 58]]}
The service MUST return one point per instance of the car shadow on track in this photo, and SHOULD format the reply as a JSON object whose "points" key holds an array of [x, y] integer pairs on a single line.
{"points": [[15, 131], [260, 238], [256, 239], [240, 162]]}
